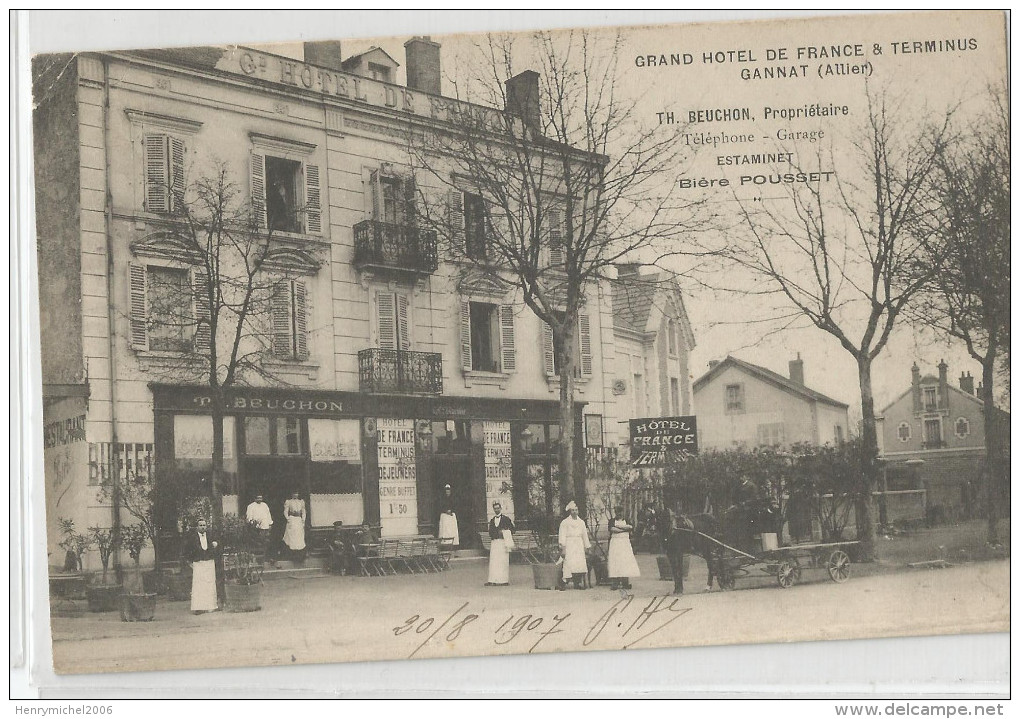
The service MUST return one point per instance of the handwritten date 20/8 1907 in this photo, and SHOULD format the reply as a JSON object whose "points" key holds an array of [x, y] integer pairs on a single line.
{"points": [[622, 626]]}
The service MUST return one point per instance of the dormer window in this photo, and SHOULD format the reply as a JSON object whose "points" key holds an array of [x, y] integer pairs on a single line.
{"points": [[930, 398], [379, 72]]}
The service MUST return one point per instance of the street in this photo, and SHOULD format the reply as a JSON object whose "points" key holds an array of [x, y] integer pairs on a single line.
{"points": [[328, 619]]}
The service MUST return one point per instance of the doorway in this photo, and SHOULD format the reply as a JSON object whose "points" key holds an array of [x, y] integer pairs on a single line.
{"points": [[275, 478], [451, 464]]}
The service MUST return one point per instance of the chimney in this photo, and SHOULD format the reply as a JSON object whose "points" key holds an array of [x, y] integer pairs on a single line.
{"points": [[712, 364], [797, 370], [522, 98], [967, 383], [324, 53], [943, 384], [423, 68], [915, 386]]}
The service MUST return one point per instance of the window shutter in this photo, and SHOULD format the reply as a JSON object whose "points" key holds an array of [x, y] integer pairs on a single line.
{"points": [[137, 292], [403, 338], [200, 294], [555, 238], [508, 353], [176, 173], [465, 334], [258, 189], [410, 202], [584, 328], [280, 317], [313, 201], [156, 181], [457, 234], [384, 304], [375, 192], [300, 320], [548, 350]]}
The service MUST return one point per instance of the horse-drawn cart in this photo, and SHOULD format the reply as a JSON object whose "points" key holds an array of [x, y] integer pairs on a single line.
{"points": [[783, 563]]}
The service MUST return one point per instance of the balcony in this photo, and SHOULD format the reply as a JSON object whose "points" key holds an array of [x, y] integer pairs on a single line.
{"points": [[400, 372], [400, 248]]}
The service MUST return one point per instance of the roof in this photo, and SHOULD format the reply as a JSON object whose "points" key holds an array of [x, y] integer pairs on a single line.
{"points": [[354, 60], [633, 300], [769, 376]]}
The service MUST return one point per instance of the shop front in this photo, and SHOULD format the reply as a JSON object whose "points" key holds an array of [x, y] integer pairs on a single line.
{"points": [[356, 457]]}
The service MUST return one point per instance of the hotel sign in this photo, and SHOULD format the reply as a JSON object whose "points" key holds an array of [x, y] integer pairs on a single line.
{"points": [[657, 442]]}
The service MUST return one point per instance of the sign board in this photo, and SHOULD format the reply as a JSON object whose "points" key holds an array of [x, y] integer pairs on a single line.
{"points": [[659, 441], [498, 475], [398, 497]]}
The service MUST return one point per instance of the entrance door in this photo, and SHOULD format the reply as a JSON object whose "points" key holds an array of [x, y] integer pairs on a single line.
{"points": [[275, 479], [455, 470]]}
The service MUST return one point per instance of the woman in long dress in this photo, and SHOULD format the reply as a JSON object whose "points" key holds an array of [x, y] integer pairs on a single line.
{"points": [[202, 549], [574, 543], [294, 534], [449, 534], [499, 553], [622, 565]]}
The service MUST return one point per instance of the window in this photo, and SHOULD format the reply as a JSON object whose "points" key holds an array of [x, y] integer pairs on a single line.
{"points": [[639, 395], [771, 435], [285, 191], [170, 324], [272, 435], [378, 72], [930, 398], [289, 319], [557, 230], [487, 337], [166, 314], [164, 172], [392, 311], [582, 349], [674, 392], [962, 427], [932, 433], [903, 432], [474, 226], [282, 177], [673, 339], [393, 199], [734, 398], [838, 434]]}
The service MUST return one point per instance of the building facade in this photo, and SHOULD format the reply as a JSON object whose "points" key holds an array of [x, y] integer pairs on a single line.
{"points": [[933, 438], [385, 368], [742, 405]]}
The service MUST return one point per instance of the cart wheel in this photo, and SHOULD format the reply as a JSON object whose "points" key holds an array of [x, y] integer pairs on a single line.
{"points": [[839, 566], [787, 575]]}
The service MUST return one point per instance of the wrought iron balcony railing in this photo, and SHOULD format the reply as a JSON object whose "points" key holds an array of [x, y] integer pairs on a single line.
{"points": [[400, 372], [394, 247]]}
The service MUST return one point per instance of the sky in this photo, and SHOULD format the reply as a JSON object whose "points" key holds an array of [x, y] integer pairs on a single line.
{"points": [[722, 323]]}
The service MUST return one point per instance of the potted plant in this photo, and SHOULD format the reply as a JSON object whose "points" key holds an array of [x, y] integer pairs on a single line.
{"points": [[136, 605], [104, 597], [547, 571], [242, 567], [75, 546]]}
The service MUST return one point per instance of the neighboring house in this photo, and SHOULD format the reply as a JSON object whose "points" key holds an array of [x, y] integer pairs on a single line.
{"points": [[739, 404], [398, 369], [943, 427], [648, 364]]}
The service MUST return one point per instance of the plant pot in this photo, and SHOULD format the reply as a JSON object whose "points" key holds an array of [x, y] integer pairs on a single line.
{"points": [[104, 597], [179, 587], [546, 575], [155, 582], [243, 597], [137, 607]]}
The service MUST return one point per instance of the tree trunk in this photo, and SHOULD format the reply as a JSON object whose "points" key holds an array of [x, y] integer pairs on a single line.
{"points": [[568, 488], [869, 466], [217, 458], [993, 445]]}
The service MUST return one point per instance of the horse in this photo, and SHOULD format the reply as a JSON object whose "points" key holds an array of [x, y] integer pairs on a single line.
{"points": [[684, 536]]}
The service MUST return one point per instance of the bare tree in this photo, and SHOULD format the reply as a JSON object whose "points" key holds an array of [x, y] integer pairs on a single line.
{"points": [[544, 195], [969, 299], [840, 251], [234, 311]]}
